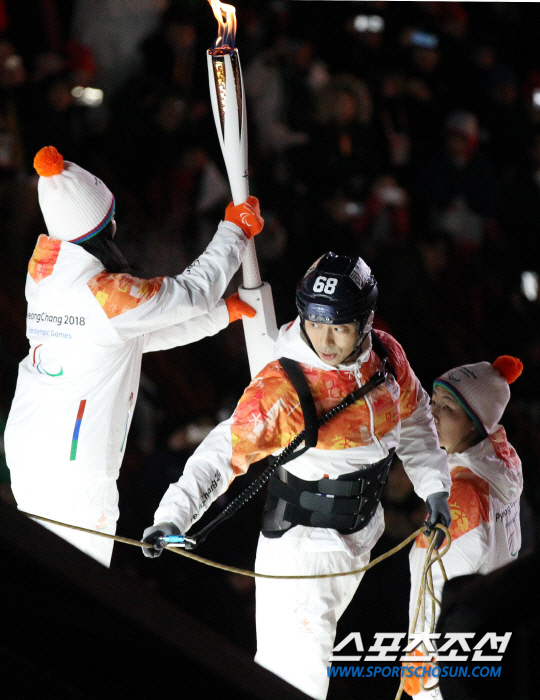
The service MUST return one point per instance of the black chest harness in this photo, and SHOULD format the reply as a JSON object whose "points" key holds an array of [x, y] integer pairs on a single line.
{"points": [[345, 504]]}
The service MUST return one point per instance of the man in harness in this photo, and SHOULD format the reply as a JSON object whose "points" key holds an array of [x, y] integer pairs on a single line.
{"points": [[323, 513]]}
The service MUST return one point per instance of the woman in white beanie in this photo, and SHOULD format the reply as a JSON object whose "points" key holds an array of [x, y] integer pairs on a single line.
{"points": [[467, 404], [88, 323]]}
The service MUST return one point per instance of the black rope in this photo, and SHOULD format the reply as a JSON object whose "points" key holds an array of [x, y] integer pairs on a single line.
{"points": [[248, 493]]}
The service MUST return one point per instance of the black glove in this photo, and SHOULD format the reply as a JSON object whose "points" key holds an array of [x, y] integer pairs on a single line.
{"points": [[438, 512], [152, 536]]}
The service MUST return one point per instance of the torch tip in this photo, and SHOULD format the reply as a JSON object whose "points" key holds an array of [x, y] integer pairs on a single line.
{"points": [[224, 50]]}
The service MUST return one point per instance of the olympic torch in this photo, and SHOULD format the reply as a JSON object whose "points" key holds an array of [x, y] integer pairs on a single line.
{"points": [[229, 108]]}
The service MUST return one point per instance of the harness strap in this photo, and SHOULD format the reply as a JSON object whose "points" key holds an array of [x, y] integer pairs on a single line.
{"points": [[348, 485], [311, 424], [313, 501], [288, 516], [379, 348], [294, 501]]}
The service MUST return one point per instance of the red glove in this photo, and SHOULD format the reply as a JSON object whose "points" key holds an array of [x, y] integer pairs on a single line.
{"points": [[238, 308], [247, 216]]}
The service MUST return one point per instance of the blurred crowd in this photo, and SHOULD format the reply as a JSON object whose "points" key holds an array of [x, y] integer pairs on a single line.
{"points": [[404, 132]]}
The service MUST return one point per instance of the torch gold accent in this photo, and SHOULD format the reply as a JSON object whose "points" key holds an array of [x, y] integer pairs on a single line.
{"points": [[238, 85], [218, 65], [220, 78]]}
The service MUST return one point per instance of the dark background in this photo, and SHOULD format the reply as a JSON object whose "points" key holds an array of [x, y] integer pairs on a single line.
{"points": [[423, 159]]}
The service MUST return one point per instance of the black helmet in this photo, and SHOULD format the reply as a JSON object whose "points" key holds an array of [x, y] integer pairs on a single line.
{"points": [[337, 289]]}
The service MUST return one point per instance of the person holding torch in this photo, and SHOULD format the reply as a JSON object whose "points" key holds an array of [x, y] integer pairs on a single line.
{"points": [[88, 322]]}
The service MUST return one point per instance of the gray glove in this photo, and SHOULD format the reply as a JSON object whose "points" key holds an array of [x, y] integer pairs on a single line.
{"points": [[152, 536], [438, 512]]}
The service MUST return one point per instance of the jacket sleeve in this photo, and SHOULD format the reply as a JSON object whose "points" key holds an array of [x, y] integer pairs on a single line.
{"points": [[135, 306], [207, 474], [255, 430], [189, 331], [424, 460], [500, 465]]}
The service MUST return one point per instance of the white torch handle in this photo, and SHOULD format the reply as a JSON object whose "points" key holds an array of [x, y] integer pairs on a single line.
{"points": [[260, 331], [250, 267]]}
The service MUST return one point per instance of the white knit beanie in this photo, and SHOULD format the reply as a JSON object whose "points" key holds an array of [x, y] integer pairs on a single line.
{"points": [[75, 204], [482, 389]]}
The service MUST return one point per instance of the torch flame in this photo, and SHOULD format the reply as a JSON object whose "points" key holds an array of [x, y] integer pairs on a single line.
{"points": [[226, 17]]}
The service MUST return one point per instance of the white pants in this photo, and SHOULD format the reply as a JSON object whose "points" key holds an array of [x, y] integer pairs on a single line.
{"points": [[85, 500], [296, 620]]}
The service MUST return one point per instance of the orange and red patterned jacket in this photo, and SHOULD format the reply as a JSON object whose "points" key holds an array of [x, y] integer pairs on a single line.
{"points": [[268, 416]]}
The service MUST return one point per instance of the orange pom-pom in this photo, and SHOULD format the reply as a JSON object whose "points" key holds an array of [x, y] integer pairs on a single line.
{"points": [[48, 162], [509, 367]]}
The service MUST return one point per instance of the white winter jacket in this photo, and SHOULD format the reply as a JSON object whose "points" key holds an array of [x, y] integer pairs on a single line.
{"points": [[87, 329], [268, 416]]}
